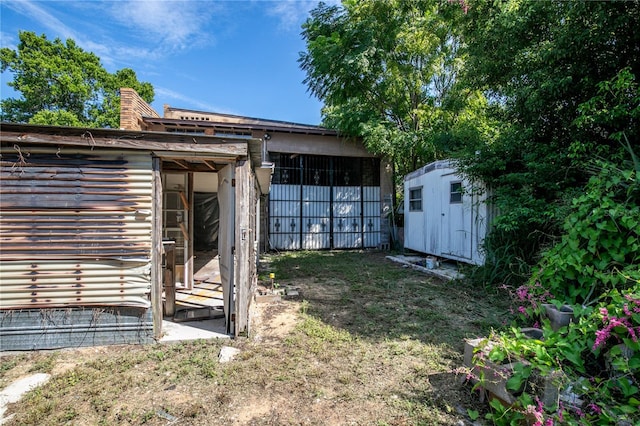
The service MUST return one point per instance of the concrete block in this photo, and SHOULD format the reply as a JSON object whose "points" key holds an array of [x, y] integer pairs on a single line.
{"points": [[267, 298], [227, 354], [495, 376]]}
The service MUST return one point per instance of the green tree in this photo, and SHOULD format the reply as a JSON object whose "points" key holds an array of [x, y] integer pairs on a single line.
{"points": [[387, 71], [61, 84], [541, 64]]}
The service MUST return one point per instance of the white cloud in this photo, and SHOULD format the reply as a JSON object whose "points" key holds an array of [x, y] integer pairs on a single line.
{"points": [[176, 25], [33, 11], [158, 27], [8, 40], [43, 14], [293, 13]]}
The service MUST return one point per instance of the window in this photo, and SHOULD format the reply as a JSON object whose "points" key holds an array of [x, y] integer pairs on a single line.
{"points": [[415, 199], [455, 195]]}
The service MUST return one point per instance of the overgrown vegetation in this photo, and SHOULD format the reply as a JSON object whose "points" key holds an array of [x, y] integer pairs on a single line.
{"points": [[594, 362], [368, 343], [563, 79], [555, 140]]}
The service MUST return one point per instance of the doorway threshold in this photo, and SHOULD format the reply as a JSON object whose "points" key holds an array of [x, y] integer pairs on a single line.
{"points": [[193, 330]]}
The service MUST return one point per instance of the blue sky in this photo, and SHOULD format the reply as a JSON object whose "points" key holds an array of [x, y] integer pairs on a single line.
{"points": [[234, 57]]}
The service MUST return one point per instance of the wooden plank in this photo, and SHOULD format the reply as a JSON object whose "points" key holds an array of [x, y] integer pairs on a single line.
{"points": [[185, 202], [210, 165], [188, 267], [244, 243], [195, 144], [156, 252], [225, 240], [181, 163]]}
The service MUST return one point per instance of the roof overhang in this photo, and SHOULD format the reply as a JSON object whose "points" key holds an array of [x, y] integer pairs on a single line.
{"points": [[178, 151], [254, 125]]}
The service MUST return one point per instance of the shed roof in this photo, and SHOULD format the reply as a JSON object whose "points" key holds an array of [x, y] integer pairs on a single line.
{"points": [[180, 151], [193, 118]]}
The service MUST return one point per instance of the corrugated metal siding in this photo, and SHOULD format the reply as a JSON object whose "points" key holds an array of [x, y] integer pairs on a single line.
{"points": [[34, 329], [75, 228]]}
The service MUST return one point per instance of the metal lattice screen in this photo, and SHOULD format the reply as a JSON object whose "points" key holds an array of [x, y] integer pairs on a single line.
{"points": [[319, 202]]}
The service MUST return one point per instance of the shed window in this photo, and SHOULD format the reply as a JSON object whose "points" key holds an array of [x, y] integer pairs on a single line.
{"points": [[455, 195], [415, 199]]}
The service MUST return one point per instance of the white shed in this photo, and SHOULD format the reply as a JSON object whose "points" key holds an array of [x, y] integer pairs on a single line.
{"points": [[444, 214]]}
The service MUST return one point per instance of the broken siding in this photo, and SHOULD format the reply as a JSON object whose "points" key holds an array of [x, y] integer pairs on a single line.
{"points": [[75, 228]]}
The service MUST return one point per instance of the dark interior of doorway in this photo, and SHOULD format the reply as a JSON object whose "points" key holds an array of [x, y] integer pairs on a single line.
{"points": [[205, 299]]}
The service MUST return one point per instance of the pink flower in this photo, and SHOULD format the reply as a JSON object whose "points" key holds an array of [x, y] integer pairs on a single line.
{"points": [[522, 292], [594, 408], [522, 310], [601, 337]]}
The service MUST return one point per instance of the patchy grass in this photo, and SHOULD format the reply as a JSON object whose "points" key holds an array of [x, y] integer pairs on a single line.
{"points": [[368, 343]]}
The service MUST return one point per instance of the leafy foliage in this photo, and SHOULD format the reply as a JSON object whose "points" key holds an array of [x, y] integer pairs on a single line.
{"points": [[593, 363], [595, 268], [61, 84], [388, 71], [560, 77], [600, 249]]}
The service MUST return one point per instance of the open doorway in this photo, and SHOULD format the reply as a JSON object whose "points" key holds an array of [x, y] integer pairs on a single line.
{"points": [[193, 285]]}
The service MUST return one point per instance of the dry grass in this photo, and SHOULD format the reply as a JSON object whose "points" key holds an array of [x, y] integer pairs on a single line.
{"points": [[369, 342]]}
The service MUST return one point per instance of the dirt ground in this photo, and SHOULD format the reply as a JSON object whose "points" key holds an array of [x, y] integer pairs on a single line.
{"points": [[343, 352]]}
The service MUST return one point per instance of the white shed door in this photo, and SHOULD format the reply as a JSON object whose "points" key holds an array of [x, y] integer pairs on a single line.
{"points": [[455, 239]]}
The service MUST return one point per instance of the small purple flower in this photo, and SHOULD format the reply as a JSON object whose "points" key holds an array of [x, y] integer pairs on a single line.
{"points": [[522, 292], [601, 337], [594, 408]]}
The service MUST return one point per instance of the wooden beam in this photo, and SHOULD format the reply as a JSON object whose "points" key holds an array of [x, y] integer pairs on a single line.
{"points": [[193, 167], [196, 144], [210, 165], [156, 251], [181, 163]]}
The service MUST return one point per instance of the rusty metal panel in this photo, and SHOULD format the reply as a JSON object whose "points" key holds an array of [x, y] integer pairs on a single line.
{"points": [[75, 227], [35, 329]]}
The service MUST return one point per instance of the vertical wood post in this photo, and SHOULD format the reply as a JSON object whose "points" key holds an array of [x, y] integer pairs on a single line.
{"points": [[156, 253], [245, 243], [188, 266]]}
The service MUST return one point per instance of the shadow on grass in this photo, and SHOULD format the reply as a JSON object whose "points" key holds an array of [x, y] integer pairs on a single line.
{"points": [[373, 298]]}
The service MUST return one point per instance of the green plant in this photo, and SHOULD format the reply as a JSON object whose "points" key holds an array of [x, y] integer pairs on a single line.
{"points": [[600, 249], [594, 362]]}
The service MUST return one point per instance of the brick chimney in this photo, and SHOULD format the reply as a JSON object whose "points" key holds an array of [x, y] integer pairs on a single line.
{"points": [[132, 109]]}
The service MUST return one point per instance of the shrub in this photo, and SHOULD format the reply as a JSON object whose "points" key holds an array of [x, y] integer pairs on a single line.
{"points": [[596, 269]]}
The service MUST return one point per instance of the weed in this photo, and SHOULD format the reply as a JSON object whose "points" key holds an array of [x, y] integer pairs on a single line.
{"points": [[7, 365], [372, 344], [43, 365]]}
